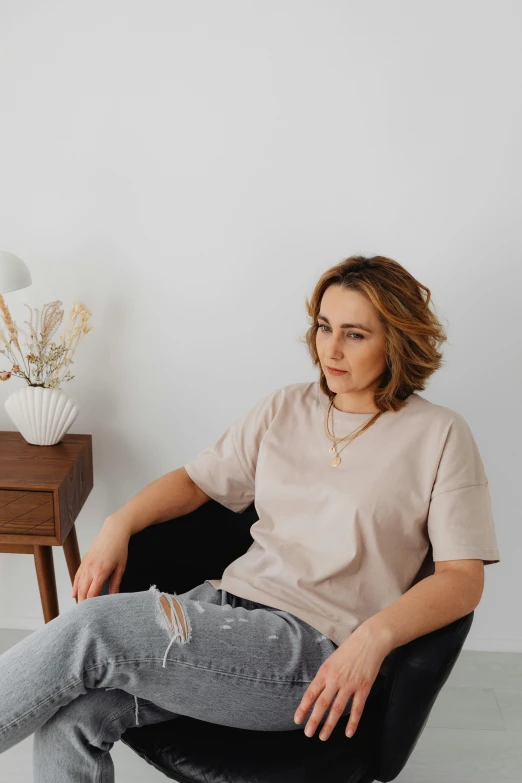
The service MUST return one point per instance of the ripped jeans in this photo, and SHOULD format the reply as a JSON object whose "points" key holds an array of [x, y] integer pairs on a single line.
{"points": [[127, 659]]}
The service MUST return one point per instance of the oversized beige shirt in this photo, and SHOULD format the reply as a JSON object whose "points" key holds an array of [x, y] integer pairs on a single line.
{"points": [[336, 545]]}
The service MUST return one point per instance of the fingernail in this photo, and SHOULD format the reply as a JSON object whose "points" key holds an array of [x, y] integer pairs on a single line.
{"points": [[349, 733]]}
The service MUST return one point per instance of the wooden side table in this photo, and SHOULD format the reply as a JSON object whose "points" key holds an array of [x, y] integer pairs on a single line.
{"points": [[42, 491]]}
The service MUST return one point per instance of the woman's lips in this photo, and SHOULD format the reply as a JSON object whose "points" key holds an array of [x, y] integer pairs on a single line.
{"points": [[333, 371]]}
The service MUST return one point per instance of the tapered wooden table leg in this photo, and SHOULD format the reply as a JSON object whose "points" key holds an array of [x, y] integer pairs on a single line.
{"points": [[43, 560], [72, 553]]}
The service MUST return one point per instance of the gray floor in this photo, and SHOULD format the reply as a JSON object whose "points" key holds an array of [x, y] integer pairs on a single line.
{"points": [[473, 735]]}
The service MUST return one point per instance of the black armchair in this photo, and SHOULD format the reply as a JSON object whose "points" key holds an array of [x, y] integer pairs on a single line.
{"points": [[170, 555]]}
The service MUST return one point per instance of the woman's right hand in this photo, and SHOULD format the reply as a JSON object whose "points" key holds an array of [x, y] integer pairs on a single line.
{"points": [[107, 555]]}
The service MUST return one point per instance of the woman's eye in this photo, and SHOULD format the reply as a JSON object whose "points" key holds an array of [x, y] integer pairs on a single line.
{"points": [[355, 334]]}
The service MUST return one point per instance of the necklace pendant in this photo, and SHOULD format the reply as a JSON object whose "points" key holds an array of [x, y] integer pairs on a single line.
{"points": [[336, 461], [332, 449]]}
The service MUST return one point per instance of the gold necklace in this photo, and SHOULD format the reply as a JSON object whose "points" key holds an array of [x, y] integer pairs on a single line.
{"points": [[333, 449]]}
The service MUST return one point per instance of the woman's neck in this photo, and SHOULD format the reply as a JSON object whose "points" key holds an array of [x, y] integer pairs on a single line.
{"points": [[353, 407]]}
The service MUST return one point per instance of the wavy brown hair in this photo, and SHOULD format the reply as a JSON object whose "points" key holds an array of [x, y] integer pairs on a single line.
{"points": [[412, 330]]}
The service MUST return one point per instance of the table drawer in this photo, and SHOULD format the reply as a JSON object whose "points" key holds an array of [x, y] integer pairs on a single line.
{"points": [[26, 513]]}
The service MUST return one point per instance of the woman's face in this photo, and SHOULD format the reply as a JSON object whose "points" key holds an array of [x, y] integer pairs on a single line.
{"points": [[358, 349]]}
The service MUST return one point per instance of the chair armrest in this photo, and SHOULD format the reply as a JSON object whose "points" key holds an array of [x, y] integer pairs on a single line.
{"points": [[418, 671]]}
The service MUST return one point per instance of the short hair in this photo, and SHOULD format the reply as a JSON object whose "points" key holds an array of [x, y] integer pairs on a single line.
{"points": [[413, 332]]}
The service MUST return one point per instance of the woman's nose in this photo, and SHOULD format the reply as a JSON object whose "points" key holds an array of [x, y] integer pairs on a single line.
{"points": [[335, 349]]}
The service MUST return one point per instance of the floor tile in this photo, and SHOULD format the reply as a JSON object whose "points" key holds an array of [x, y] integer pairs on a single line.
{"points": [[466, 708], [465, 756]]}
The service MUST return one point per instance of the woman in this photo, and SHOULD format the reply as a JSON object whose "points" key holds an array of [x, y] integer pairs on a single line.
{"points": [[356, 479]]}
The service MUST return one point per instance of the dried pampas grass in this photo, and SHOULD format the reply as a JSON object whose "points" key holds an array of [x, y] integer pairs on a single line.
{"points": [[47, 362]]}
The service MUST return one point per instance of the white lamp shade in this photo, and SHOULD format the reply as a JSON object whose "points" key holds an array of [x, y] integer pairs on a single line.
{"points": [[14, 273]]}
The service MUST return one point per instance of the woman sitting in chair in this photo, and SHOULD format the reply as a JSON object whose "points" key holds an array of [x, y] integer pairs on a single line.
{"points": [[357, 481]]}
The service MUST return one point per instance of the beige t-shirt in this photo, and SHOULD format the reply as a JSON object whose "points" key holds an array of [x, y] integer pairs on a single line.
{"points": [[336, 545]]}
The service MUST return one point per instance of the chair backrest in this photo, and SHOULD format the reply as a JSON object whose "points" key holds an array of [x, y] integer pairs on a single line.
{"points": [[181, 553]]}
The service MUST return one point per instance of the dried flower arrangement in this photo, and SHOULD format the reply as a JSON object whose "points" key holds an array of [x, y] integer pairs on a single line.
{"points": [[45, 360]]}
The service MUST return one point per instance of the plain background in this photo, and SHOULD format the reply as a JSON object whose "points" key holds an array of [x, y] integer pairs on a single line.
{"points": [[188, 170]]}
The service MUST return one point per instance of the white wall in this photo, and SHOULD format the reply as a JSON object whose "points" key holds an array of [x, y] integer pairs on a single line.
{"points": [[188, 170]]}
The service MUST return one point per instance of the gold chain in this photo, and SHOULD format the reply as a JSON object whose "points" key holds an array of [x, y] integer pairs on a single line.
{"points": [[333, 449]]}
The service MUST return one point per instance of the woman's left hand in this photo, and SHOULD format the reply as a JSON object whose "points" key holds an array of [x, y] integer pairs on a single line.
{"points": [[349, 671]]}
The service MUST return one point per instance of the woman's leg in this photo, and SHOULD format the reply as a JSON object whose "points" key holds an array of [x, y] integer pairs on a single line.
{"points": [[74, 744], [225, 663]]}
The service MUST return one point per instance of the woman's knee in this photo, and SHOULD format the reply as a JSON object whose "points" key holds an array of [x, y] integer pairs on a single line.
{"points": [[92, 610]]}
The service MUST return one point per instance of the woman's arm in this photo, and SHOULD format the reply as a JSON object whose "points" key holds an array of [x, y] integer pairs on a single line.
{"points": [[170, 496], [453, 591]]}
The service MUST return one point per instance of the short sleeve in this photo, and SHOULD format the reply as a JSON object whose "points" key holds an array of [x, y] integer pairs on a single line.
{"points": [[226, 471], [460, 519]]}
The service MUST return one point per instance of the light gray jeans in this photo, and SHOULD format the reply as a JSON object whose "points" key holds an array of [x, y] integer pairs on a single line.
{"points": [[121, 660]]}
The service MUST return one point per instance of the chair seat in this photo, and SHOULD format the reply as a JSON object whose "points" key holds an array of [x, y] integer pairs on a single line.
{"points": [[186, 749]]}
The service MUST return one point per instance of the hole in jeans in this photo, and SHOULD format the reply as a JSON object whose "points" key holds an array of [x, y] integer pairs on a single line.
{"points": [[172, 616]]}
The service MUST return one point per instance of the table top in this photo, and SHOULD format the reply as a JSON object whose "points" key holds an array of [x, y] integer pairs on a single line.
{"points": [[25, 465]]}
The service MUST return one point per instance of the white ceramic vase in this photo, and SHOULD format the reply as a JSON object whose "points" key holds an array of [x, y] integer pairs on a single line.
{"points": [[42, 415]]}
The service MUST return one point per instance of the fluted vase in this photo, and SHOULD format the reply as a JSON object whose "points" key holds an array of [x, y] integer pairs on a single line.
{"points": [[42, 415]]}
